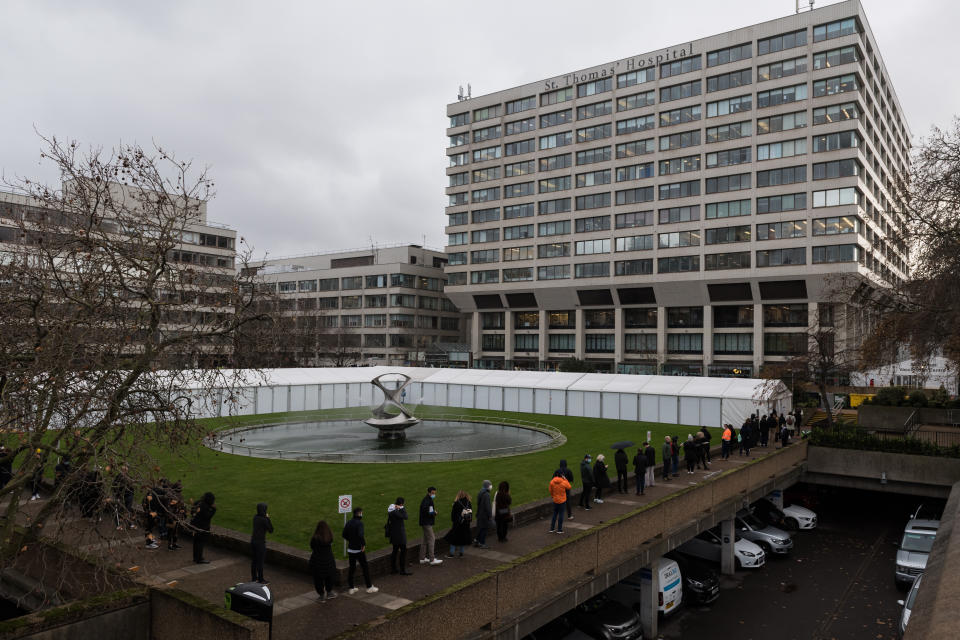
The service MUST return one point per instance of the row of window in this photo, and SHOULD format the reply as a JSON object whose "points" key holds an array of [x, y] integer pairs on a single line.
{"points": [[679, 343], [405, 280]]}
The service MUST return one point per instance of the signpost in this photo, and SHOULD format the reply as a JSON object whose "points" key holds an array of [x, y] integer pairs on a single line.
{"points": [[345, 505]]}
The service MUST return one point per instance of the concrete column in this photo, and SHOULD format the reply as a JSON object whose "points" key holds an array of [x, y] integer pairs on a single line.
{"points": [[618, 327], [757, 339], [581, 340], [508, 339], [475, 334], [650, 599], [661, 336], [707, 338], [544, 336], [728, 537]]}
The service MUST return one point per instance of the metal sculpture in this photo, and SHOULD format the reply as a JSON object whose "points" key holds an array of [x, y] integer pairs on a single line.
{"points": [[391, 426]]}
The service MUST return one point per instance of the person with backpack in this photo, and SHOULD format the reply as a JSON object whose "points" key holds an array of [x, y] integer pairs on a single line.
{"points": [[323, 567], [396, 530], [568, 476], [461, 517], [203, 512], [356, 551], [620, 460], [428, 518], [586, 476], [258, 542], [640, 469]]}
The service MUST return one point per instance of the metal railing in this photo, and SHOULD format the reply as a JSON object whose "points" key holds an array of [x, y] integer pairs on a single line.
{"points": [[912, 423], [939, 438], [220, 442]]}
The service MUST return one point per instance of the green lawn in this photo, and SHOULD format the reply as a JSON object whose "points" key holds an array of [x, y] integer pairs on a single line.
{"points": [[301, 493]]}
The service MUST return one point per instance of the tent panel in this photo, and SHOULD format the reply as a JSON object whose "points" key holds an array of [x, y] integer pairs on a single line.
{"points": [[710, 412], [668, 409], [628, 406], [297, 396], [511, 399], [649, 408], [690, 411], [591, 404], [610, 405], [526, 400], [558, 402], [542, 400]]}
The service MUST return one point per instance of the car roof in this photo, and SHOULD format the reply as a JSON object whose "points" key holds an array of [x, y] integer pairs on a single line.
{"points": [[922, 526]]}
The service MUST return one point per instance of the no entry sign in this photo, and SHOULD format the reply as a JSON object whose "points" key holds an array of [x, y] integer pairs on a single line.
{"points": [[345, 504]]}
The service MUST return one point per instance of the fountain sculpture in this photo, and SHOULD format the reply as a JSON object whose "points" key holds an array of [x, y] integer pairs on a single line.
{"points": [[391, 426]]}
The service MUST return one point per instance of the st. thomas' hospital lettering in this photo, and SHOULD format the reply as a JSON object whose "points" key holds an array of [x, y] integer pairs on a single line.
{"points": [[620, 66]]}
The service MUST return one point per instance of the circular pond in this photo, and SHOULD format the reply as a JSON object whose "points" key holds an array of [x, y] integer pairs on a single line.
{"points": [[354, 441]]}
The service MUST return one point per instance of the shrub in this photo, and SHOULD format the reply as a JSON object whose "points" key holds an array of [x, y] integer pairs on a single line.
{"points": [[856, 439], [889, 396], [918, 398]]}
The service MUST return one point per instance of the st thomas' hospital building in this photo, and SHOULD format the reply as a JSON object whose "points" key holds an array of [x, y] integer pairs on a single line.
{"points": [[683, 211]]}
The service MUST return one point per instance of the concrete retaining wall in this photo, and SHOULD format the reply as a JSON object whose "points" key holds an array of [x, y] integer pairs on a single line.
{"points": [[178, 614], [909, 474], [893, 418]]}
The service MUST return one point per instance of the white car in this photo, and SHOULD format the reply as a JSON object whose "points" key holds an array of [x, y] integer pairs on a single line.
{"points": [[797, 517], [707, 545]]}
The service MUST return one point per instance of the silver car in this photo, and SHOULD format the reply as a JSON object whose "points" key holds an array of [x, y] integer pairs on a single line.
{"points": [[770, 539], [914, 549], [908, 606]]}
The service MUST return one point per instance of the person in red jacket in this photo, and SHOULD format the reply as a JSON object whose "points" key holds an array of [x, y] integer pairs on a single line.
{"points": [[558, 491]]}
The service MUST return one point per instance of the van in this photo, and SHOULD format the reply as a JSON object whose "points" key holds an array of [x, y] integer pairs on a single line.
{"points": [[628, 590]]}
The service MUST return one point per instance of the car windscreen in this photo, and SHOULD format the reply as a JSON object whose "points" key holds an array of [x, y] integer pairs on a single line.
{"points": [[919, 542], [913, 593], [753, 521]]}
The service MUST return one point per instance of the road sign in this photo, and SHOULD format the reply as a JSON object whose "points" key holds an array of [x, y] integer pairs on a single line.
{"points": [[345, 504]]}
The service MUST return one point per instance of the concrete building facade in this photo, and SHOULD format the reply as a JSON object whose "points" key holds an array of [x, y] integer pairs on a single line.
{"points": [[685, 211]]}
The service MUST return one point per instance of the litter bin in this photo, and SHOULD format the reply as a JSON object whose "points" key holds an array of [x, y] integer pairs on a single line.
{"points": [[251, 599]]}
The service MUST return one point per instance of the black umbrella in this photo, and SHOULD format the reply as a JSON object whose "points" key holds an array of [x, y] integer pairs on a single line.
{"points": [[623, 444]]}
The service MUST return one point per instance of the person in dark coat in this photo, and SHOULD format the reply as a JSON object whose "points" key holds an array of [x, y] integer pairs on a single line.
{"points": [[690, 453], [176, 513], [640, 470], [396, 519], [699, 440], [428, 518], [203, 514], [484, 514], [675, 455], [746, 437], [600, 478], [567, 473], [586, 476], [707, 438], [667, 456], [501, 509], [357, 551], [620, 461], [651, 455], [461, 517], [323, 567], [258, 542]]}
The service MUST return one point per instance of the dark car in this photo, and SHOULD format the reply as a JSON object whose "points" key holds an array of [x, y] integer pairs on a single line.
{"points": [[555, 630], [701, 584], [606, 619], [770, 513]]}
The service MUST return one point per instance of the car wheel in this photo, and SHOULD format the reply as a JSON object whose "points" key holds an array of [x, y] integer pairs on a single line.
{"points": [[792, 524], [736, 563], [767, 550]]}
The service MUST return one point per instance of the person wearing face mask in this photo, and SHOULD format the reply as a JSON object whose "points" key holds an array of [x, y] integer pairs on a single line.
{"points": [[356, 551], [428, 517], [586, 474]]}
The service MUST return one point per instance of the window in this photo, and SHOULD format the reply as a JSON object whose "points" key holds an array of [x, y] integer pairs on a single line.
{"points": [[513, 254], [457, 258], [591, 156], [526, 342], [836, 225], [782, 69], [328, 284], [449, 324], [554, 272], [307, 285], [833, 86], [351, 282], [556, 140], [783, 95], [376, 282], [835, 30], [784, 344], [678, 239], [459, 179], [374, 320], [634, 267], [836, 197], [563, 342], [594, 201], [784, 122], [634, 196], [723, 184], [553, 250], [518, 274], [728, 158], [598, 132], [485, 235], [518, 211], [553, 163], [680, 165], [730, 54], [785, 315], [733, 343], [679, 214], [592, 247], [454, 239], [784, 175], [492, 320], [671, 118], [679, 190], [680, 91], [558, 183], [556, 118], [835, 57], [592, 270], [636, 77], [836, 113], [459, 120], [457, 278], [729, 209], [635, 243], [485, 277], [403, 300], [730, 105], [640, 123], [485, 215], [678, 264], [636, 148], [485, 175], [458, 199], [375, 340], [724, 235], [595, 110], [678, 140], [781, 257], [635, 219], [836, 169], [732, 131], [593, 88], [677, 67], [599, 318], [782, 230], [519, 147], [523, 104], [402, 280], [456, 219], [375, 302], [782, 42], [327, 303], [786, 149], [518, 232], [636, 101], [593, 178], [787, 202], [599, 343], [486, 113], [730, 80], [640, 343], [834, 141], [487, 133], [635, 172], [559, 205], [459, 159], [596, 223], [560, 227], [491, 342], [727, 316], [684, 343], [489, 153], [459, 139], [645, 318], [486, 195], [556, 97]]}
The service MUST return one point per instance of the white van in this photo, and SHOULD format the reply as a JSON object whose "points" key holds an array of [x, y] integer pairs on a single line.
{"points": [[628, 590]]}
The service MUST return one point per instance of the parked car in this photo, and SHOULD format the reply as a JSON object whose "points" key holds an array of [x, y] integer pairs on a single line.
{"points": [[670, 595], [791, 518], [914, 549], [556, 629], [707, 545], [603, 618], [766, 510], [907, 605], [701, 584], [769, 538]]}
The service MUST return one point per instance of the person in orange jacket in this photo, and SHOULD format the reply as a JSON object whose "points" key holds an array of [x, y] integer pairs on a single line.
{"points": [[558, 490]]}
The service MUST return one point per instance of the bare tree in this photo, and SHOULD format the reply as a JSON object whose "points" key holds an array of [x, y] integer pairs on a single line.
{"points": [[112, 334], [338, 347]]}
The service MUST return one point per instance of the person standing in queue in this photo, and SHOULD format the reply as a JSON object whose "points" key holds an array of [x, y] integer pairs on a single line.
{"points": [[620, 461], [396, 521], [558, 491], [600, 478], [726, 438], [640, 469], [356, 551], [690, 453], [461, 517], [675, 455], [586, 476], [428, 518], [667, 452], [258, 542], [484, 514], [322, 565], [501, 508], [203, 514], [568, 476], [651, 454]]}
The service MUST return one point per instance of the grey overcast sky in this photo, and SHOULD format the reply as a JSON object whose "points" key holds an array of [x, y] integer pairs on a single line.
{"points": [[323, 123]]}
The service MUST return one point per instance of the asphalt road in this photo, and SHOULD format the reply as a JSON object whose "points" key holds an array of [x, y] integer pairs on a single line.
{"points": [[837, 583]]}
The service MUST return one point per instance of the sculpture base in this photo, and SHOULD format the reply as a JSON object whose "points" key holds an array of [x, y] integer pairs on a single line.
{"points": [[393, 428]]}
